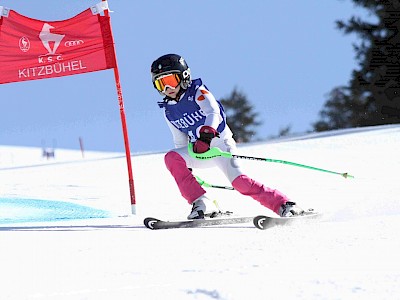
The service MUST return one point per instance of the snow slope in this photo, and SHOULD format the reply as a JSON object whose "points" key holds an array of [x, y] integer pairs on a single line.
{"points": [[61, 237]]}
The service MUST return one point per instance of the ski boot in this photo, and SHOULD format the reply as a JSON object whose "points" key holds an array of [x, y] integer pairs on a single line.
{"points": [[203, 207], [290, 209]]}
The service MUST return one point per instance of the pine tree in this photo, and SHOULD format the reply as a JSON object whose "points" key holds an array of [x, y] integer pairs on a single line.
{"points": [[372, 96], [240, 116]]}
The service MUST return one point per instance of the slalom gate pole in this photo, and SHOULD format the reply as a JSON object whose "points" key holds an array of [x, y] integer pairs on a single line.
{"points": [[124, 128], [216, 152]]}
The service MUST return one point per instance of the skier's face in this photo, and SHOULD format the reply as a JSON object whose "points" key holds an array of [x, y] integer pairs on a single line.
{"points": [[172, 93]]}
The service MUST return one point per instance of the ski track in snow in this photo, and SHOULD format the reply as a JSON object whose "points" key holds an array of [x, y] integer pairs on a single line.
{"points": [[62, 235]]}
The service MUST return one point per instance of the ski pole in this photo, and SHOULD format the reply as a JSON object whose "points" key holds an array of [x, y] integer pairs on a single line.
{"points": [[205, 184], [216, 152]]}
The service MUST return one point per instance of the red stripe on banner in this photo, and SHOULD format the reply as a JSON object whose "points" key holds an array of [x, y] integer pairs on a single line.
{"points": [[33, 49], [108, 41]]}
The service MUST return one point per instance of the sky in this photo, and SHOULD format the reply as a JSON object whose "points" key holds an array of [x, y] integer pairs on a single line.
{"points": [[285, 56]]}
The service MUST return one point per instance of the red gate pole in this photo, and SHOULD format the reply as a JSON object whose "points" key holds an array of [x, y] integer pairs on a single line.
{"points": [[124, 127]]}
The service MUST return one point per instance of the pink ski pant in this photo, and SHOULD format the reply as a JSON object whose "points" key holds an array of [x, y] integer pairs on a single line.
{"points": [[178, 161]]}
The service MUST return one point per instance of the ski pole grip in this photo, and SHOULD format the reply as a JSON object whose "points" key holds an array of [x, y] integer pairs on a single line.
{"points": [[212, 153]]}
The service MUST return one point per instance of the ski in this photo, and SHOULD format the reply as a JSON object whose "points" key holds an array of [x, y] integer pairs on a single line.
{"points": [[153, 223], [265, 222], [261, 222]]}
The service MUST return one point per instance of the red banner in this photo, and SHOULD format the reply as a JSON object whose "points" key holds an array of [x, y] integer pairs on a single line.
{"points": [[32, 49]]}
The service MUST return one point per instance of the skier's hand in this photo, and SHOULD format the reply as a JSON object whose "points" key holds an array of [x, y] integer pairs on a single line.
{"points": [[200, 147], [202, 144]]}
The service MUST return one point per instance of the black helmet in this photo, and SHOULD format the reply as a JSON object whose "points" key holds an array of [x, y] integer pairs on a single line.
{"points": [[171, 63]]}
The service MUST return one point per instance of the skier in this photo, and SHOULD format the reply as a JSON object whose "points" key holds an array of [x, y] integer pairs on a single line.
{"points": [[195, 116]]}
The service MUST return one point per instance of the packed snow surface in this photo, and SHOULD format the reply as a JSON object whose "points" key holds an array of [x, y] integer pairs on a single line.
{"points": [[66, 231]]}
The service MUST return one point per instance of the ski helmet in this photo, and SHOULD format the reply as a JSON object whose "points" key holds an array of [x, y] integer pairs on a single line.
{"points": [[171, 64]]}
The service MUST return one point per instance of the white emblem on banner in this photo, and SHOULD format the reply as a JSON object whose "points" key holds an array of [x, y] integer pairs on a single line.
{"points": [[48, 38], [24, 44]]}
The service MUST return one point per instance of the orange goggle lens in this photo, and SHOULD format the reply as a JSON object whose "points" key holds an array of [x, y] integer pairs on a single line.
{"points": [[171, 80]]}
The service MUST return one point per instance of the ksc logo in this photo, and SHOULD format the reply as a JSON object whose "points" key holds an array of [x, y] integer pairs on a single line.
{"points": [[50, 40]]}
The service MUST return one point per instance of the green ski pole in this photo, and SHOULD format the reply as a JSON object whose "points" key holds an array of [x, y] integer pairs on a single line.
{"points": [[205, 184], [216, 152]]}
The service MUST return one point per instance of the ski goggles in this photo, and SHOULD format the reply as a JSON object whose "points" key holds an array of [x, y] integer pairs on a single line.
{"points": [[169, 80]]}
